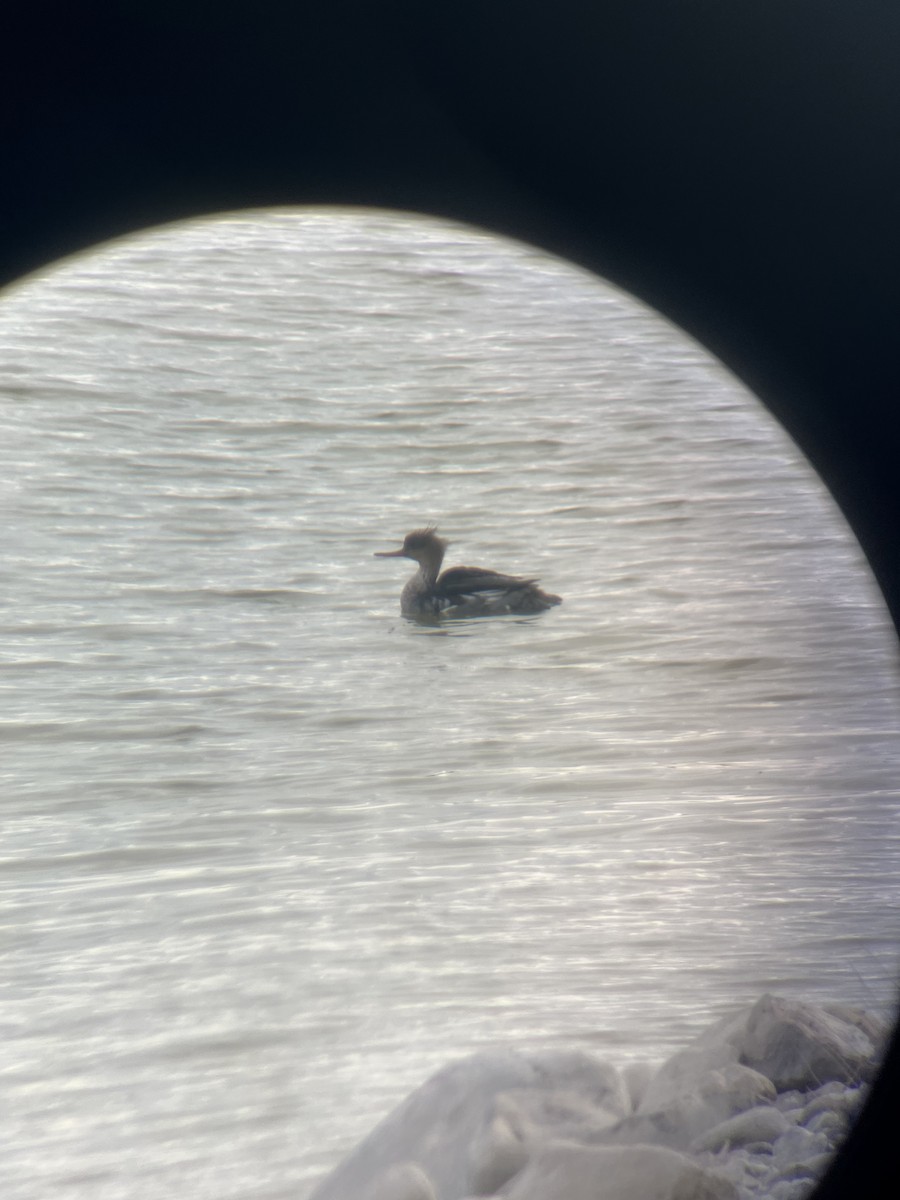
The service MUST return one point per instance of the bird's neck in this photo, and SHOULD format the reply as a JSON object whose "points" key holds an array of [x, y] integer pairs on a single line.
{"points": [[429, 567]]}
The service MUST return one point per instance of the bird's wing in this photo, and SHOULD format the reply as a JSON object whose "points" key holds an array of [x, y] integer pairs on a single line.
{"points": [[467, 581]]}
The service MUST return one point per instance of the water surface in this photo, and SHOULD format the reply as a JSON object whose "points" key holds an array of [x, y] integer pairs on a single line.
{"points": [[271, 854]]}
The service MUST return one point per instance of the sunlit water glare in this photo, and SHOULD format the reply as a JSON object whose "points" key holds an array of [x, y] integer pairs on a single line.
{"points": [[271, 853]]}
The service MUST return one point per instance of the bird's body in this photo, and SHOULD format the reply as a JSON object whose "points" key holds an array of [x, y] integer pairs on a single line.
{"points": [[461, 591]]}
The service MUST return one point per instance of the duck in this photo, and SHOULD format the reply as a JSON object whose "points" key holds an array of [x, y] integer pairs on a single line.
{"points": [[461, 591]]}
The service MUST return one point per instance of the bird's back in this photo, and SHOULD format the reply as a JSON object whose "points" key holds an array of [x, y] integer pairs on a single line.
{"points": [[482, 591]]}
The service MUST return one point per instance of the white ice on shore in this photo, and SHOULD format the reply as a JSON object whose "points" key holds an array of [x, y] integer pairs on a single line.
{"points": [[754, 1107]]}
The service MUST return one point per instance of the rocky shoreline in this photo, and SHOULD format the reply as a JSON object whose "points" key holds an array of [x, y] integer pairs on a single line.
{"points": [[752, 1109]]}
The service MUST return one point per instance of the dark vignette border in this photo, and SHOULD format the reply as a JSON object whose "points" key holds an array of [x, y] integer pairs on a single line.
{"points": [[734, 163]]}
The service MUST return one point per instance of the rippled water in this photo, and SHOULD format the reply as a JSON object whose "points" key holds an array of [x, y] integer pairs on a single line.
{"points": [[271, 853]]}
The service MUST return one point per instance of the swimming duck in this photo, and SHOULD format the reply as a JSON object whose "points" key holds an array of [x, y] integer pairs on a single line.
{"points": [[461, 591]]}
